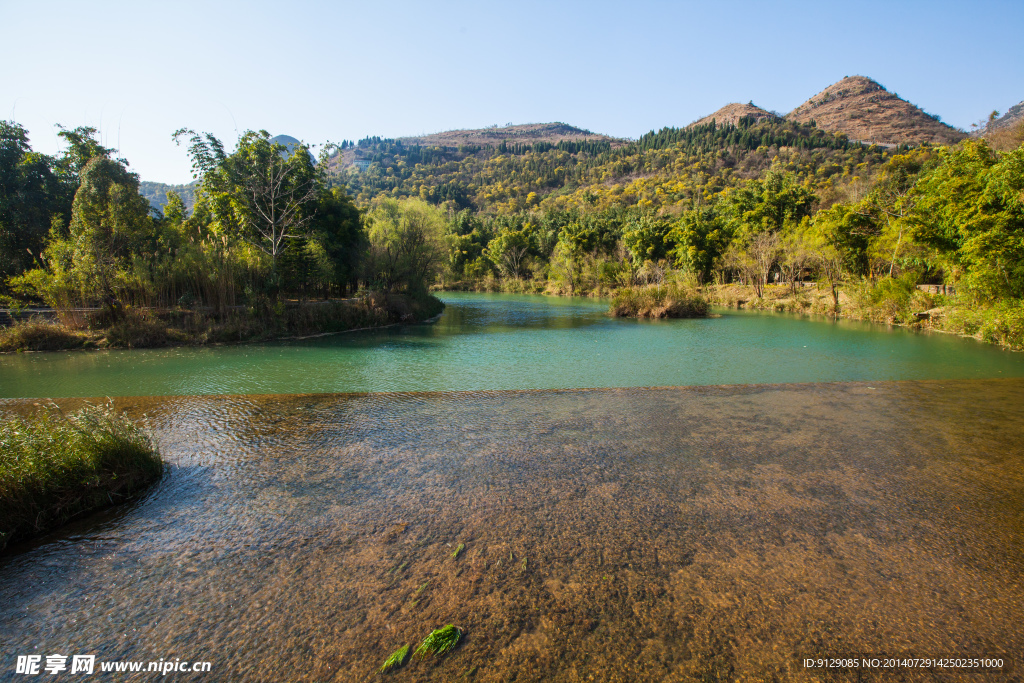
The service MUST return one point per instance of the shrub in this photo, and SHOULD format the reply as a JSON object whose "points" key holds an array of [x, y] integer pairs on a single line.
{"points": [[659, 301], [136, 330], [40, 335]]}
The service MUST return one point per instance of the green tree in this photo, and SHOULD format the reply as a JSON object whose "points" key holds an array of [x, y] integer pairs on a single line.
{"points": [[700, 237], [508, 252], [971, 211], [30, 198], [260, 193], [405, 244]]}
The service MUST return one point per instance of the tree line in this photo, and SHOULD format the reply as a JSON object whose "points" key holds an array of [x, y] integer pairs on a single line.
{"points": [[267, 224]]}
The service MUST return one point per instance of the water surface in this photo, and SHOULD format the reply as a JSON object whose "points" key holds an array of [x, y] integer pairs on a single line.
{"points": [[701, 534], [870, 502], [489, 342]]}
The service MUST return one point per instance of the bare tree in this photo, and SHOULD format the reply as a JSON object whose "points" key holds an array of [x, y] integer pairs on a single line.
{"points": [[763, 250]]}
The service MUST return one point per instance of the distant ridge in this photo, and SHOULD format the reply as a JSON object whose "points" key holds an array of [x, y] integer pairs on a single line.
{"points": [[732, 113], [523, 134], [1011, 118], [864, 110], [527, 133]]}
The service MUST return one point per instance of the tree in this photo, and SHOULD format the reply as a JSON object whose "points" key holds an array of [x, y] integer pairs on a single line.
{"points": [[260, 192], [109, 223], [645, 238], [405, 244], [971, 211], [336, 228], [30, 198], [825, 247], [508, 250], [701, 237], [766, 204], [794, 254]]}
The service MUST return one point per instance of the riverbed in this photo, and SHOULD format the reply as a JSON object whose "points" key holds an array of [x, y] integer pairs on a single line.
{"points": [[714, 500]]}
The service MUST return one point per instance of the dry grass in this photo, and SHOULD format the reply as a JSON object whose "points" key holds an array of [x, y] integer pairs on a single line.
{"points": [[40, 335], [659, 301], [148, 329], [864, 110]]}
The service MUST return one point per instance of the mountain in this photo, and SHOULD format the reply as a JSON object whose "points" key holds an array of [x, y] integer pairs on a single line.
{"points": [[732, 113], [156, 193], [519, 135], [1005, 133], [1013, 116], [864, 110], [527, 134]]}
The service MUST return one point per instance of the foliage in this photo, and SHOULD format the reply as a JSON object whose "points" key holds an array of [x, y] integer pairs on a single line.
{"points": [[659, 301], [55, 466], [406, 244], [971, 212], [39, 335]]}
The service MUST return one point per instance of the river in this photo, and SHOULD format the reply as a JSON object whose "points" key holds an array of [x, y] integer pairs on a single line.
{"points": [[684, 500]]}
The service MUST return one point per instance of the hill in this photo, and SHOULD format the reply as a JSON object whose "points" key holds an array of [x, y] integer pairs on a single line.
{"points": [[1013, 116], [156, 193], [528, 134], [732, 113], [1006, 132], [864, 110]]}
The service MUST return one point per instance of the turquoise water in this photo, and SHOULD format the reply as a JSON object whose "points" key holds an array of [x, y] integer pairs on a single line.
{"points": [[494, 341]]}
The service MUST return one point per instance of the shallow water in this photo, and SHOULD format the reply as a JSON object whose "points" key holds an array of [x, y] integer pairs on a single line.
{"points": [[715, 533], [489, 342]]}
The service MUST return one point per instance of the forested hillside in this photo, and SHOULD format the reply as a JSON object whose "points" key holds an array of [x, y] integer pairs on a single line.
{"points": [[673, 166], [752, 199]]}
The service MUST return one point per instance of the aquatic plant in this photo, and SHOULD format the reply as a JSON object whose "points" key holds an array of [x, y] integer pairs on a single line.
{"points": [[54, 467], [458, 551], [396, 659], [439, 642]]}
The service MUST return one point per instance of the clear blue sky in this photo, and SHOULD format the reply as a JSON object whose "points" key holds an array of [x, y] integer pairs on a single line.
{"points": [[335, 70]]}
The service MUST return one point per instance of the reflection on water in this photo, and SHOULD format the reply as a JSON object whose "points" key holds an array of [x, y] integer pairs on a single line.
{"points": [[712, 533], [489, 342]]}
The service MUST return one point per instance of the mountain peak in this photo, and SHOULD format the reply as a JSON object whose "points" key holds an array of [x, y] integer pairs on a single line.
{"points": [[864, 110], [733, 112]]}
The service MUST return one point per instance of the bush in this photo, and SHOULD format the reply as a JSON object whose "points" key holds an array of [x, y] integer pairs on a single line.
{"points": [[136, 330], [1001, 323], [40, 335], [54, 467], [659, 301], [891, 300]]}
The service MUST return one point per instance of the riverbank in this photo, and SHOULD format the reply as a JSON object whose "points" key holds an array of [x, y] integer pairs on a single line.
{"points": [[888, 302], [55, 467], [150, 328]]}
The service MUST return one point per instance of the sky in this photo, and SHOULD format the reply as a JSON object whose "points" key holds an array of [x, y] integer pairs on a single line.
{"points": [[333, 71]]}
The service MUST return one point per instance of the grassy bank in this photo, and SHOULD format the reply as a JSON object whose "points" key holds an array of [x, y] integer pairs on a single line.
{"points": [[659, 301], [889, 301], [137, 328], [55, 467]]}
